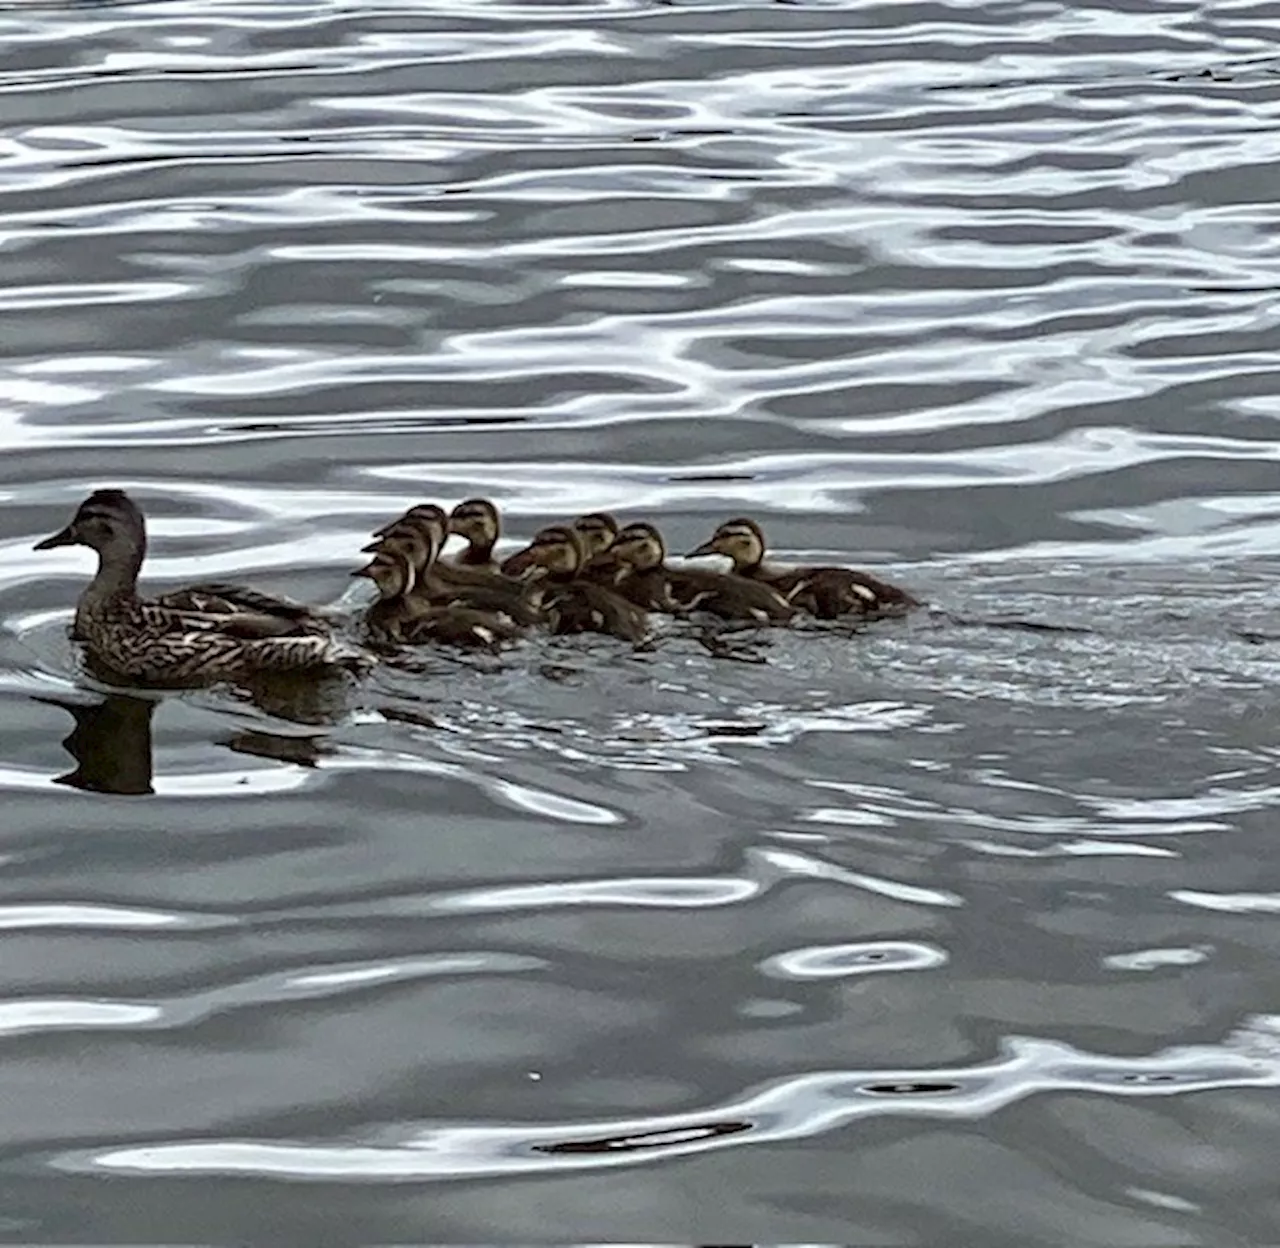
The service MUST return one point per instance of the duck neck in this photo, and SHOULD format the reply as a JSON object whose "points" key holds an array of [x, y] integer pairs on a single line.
{"points": [[118, 571], [478, 553]]}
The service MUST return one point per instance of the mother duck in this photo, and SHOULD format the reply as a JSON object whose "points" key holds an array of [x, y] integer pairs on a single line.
{"points": [[202, 633]]}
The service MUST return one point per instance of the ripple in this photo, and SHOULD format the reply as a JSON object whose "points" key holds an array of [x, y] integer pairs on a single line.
{"points": [[800, 1107], [667, 894], [1228, 903], [981, 297], [23, 1017], [100, 917], [1155, 959], [839, 961], [793, 863], [313, 983]]}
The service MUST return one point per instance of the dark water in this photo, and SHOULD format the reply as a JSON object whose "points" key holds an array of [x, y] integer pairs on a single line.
{"points": [[943, 933]]}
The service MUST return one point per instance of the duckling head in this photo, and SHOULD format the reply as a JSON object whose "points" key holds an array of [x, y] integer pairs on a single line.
{"points": [[419, 545], [391, 572], [597, 529], [111, 523], [742, 540], [556, 551], [423, 528], [419, 513], [477, 521], [640, 547]]}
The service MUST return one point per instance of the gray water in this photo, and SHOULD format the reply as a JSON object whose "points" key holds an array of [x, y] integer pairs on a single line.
{"points": [[949, 931]]}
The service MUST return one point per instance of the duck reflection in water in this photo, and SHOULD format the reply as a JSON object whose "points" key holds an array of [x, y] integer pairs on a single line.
{"points": [[111, 744]]}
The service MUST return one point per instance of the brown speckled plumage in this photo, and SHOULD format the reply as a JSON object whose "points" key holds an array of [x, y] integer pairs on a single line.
{"points": [[199, 634]]}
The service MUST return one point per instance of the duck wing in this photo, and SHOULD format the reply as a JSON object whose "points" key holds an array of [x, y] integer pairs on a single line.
{"points": [[889, 597], [830, 592], [160, 617], [462, 626], [159, 644], [509, 598], [585, 607], [225, 598], [650, 591], [730, 596]]}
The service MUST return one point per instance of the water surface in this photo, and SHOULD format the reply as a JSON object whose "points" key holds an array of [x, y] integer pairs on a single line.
{"points": [[944, 931]]}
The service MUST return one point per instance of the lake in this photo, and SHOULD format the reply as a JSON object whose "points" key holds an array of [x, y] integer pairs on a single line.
{"points": [[953, 929]]}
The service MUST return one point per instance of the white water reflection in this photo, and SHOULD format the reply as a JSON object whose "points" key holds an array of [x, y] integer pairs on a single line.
{"points": [[796, 1108], [981, 298]]}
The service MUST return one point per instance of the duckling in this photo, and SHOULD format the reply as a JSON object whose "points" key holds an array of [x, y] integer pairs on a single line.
{"points": [[478, 522], [569, 603], [157, 642], [594, 531], [421, 533], [826, 592], [638, 561], [399, 617], [597, 530]]}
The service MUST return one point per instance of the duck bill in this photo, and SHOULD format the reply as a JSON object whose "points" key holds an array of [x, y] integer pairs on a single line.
{"points": [[63, 537], [707, 548]]}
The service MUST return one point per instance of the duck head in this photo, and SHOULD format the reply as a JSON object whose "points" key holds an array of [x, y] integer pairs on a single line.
{"points": [[392, 572], [638, 547], [556, 551], [111, 523], [418, 545], [423, 529], [597, 530], [420, 513], [741, 540], [476, 521]]}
